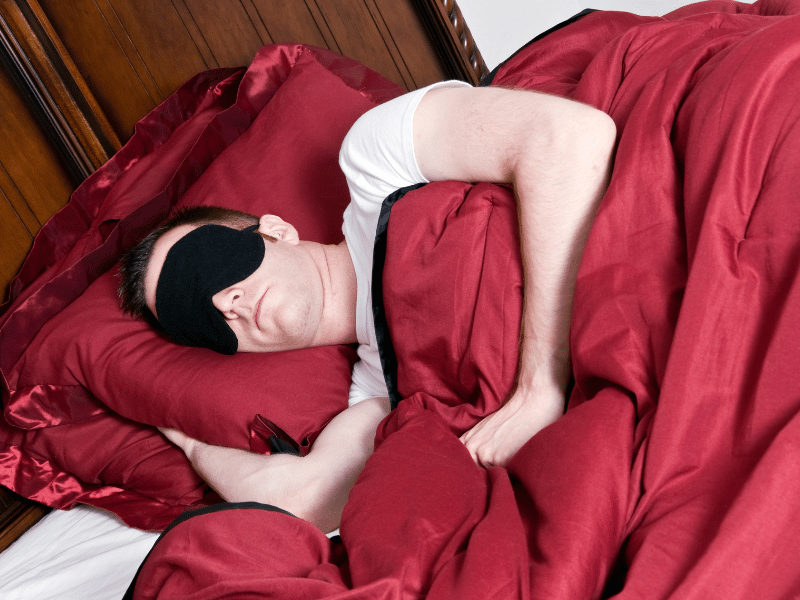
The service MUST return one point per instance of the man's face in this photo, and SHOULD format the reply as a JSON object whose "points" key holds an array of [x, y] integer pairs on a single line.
{"points": [[278, 307]]}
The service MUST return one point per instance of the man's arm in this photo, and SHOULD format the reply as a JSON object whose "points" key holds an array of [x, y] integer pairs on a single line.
{"points": [[557, 154]]}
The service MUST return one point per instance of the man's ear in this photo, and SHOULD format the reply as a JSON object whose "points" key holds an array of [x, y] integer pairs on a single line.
{"points": [[276, 227]]}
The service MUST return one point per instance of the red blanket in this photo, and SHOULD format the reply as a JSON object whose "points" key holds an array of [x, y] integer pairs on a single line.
{"points": [[675, 472]]}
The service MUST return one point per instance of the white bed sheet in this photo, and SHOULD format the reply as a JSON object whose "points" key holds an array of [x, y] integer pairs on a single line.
{"points": [[78, 554]]}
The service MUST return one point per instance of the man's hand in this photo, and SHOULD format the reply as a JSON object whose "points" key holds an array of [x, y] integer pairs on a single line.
{"points": [[498, 437]]}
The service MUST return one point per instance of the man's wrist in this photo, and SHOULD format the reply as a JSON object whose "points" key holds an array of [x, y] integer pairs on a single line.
{"points": [[544, 377], [543, 397]]}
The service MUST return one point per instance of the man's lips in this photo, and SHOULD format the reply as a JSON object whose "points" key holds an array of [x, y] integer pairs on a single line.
{"points": [[258, 308]]}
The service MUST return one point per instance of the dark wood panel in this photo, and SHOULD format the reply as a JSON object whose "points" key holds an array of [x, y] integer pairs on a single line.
{"points": [[15, 239], [49, 81], [358, 36], [457, 49], [225, 28], [33, 183], [142, 50], [408, 35], [16, 203], [16, 516], [28, 158], [161, 41], [121, 92], [292, 22]]}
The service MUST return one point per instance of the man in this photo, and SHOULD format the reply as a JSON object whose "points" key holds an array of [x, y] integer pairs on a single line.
{"points": [[556, 153]]}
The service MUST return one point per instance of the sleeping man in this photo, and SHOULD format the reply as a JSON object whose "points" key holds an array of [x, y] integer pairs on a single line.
{"points": [[233, 282]]}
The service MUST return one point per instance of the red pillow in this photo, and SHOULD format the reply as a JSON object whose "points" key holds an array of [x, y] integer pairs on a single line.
{"points": [[88, 356]]}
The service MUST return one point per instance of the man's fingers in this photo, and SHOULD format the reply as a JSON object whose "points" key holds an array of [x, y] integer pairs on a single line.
{"points": [[481, 455], [177, 437], [173, 435]]}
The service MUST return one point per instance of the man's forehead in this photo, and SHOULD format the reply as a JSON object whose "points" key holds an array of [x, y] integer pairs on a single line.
{"points": [[160, 250]]}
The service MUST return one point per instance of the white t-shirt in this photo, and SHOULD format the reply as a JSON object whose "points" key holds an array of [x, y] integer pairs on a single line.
{"points": [[377, 158]]}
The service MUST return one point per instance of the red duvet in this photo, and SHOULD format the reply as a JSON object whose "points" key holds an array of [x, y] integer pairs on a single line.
{"points": [[675, 472]]}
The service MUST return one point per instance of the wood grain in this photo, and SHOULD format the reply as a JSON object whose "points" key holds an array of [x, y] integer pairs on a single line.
{"points": [[33, 182], [142, 50], [34, 56], [454, 40], [17, 515]]}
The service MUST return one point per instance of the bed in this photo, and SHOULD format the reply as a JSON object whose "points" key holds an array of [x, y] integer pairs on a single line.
{"points": [[674, 470], [70, 105]]}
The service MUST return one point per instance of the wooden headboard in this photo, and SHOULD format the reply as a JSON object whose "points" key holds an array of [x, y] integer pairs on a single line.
{"points": [[76, 76]]}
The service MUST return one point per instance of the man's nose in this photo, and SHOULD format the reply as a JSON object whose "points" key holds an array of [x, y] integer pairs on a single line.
{"points": [[228, 300]]}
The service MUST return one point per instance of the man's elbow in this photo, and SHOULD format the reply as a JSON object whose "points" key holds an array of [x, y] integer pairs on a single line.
{"points": [[574, 142], [594, 137]]}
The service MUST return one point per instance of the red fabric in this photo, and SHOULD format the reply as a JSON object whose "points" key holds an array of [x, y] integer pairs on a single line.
{"points": [[461, 243], [309, 570], [264, 140], [674, 473]]}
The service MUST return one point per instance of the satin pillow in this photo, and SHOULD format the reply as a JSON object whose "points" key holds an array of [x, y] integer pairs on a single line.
{"points": [[89, 358], [286, 163]]}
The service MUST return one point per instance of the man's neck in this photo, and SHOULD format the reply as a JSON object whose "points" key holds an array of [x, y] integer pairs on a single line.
{"points": [[339, 287]]}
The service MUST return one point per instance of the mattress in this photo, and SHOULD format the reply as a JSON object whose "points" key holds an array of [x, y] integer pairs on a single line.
{"points": [[81, 553]]}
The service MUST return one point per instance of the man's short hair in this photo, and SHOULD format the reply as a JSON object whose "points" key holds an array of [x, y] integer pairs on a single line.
{"points": [[133, 265]]}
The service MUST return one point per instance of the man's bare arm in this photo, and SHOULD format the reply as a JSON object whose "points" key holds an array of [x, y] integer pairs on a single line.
{"points": [[557, 154]]}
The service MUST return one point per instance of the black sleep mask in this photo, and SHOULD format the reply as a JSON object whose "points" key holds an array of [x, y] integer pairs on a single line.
{"points": [[203, 262]]}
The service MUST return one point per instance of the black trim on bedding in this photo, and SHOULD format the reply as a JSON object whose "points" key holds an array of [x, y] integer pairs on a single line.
{"points": [[279, 446], [486, 81], [385, 346], [189, 514]]}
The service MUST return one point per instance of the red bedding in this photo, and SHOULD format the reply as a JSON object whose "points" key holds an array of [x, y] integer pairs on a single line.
{"points": [[675, 471], [83, 385]]}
